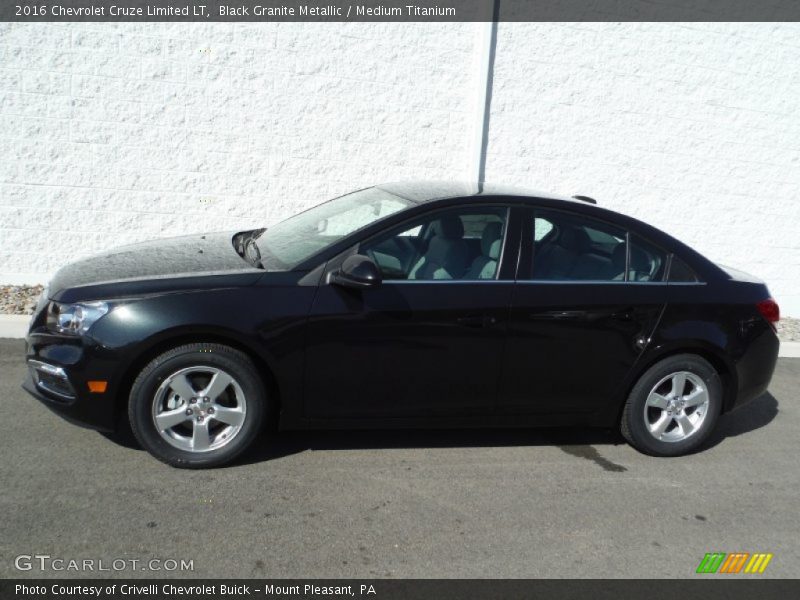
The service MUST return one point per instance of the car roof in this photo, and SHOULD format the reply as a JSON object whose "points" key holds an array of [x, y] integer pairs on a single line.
{"points": [[422, 191]]}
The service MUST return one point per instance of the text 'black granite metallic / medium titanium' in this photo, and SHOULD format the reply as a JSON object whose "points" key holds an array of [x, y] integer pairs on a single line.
{"points": [[418, 304]]}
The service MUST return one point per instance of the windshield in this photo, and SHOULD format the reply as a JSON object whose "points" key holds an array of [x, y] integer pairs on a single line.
{"points": [[290, 242]]}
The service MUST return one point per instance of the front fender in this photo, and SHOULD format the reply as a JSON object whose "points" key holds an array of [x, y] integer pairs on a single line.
{"points": [[267, 322]]}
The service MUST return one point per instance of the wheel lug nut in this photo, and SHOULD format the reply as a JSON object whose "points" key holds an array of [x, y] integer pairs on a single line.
{"points": [[199, 419], [211, 410], [188, 411]]}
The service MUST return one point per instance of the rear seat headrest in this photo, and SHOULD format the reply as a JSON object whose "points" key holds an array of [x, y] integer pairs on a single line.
{"points": [[639, 259], [574, 239]]}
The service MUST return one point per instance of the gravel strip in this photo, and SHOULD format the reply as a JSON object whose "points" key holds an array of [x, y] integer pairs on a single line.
{"points": [[789, 329], [21, 300]]}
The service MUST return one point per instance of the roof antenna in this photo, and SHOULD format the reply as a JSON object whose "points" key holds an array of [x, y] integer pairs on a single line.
{"points": [[585, 199]]}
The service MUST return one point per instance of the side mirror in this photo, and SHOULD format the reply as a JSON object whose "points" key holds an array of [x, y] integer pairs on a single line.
{"points": [[357, 271]]}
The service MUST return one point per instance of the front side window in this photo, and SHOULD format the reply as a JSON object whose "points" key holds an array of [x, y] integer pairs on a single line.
{"points": [[290, 242], [454, 244], [570, 247]]}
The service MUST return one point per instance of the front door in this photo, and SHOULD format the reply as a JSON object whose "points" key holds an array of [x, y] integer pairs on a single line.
{"points": [[428, 340]]}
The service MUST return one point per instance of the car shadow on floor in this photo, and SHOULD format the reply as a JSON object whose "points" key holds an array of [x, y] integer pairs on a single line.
{"points": [[753, 415], [577, 442], [292, 442]]}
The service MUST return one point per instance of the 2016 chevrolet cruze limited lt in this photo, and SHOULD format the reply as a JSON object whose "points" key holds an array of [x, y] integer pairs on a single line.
{"points": [[404, 305]]}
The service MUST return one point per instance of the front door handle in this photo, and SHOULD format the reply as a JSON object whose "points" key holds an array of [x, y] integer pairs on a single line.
{"points": [[477, 320]]}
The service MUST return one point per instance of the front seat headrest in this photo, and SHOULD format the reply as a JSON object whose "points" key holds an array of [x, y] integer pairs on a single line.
{"points": [[449, 228], [491, 240]]}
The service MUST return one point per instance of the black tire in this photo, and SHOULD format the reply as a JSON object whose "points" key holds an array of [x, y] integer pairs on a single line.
{"points": [[634, 422], [216, 356]]}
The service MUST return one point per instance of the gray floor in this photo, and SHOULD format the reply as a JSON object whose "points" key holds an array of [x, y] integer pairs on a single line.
{"points": [[406, 504]]}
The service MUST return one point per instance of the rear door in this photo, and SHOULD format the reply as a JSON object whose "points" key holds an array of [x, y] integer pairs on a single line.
{"points": [[588, 296]]}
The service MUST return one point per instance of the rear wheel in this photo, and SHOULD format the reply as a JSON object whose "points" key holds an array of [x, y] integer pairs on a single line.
{"points": [[198, 405], [673, 407]]}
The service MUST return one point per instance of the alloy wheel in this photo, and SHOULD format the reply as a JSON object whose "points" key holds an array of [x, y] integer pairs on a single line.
{"points": [[199, 409], [676, 407]]}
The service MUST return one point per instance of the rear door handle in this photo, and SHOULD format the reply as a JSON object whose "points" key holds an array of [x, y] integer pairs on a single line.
{"points": [[477, 321], [626, 314], [560, 315]]}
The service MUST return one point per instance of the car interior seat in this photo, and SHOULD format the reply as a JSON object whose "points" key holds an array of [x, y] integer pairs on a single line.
{"points": [[446, 255], [485, 265], [571, 257], [639, 267]]}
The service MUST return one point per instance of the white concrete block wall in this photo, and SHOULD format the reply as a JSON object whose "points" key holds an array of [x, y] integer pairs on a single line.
{"points": [[113, 133], [694, 128]]}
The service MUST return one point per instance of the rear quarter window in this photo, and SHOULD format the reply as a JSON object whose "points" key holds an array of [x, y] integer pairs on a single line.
{"points": [[680, 272]]}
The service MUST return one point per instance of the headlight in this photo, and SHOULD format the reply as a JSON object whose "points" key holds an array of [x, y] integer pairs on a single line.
{"points": [[74, 319]]}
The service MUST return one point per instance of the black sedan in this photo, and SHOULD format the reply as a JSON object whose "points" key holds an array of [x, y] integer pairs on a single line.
{"points": [[404, 305]]}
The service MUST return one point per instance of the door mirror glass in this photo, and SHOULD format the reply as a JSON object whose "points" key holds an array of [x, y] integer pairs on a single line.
{"points": [[357, 271]]}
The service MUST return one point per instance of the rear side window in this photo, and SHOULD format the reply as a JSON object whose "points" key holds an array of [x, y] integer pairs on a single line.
{"points": [[680, 272], [570, 247], [542, 227]]}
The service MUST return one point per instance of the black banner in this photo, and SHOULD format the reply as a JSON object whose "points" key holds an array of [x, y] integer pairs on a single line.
{"points": [[712, 588], [397, 10]]}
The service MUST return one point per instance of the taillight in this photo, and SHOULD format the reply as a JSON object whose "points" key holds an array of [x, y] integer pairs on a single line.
{"points": [[770, 310]]}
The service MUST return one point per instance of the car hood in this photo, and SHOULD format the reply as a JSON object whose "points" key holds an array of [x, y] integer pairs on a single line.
{"points": [[164, 263]]}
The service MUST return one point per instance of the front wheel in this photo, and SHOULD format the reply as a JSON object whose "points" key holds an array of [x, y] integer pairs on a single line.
{"points": [[673, 407], [198, 405]]}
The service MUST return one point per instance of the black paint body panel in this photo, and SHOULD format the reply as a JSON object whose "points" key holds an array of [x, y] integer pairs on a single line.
{"points": [[407, 354]]}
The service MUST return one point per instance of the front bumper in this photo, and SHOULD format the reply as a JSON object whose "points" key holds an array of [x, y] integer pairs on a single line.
{"points": [[51, 380], [59, 371]]}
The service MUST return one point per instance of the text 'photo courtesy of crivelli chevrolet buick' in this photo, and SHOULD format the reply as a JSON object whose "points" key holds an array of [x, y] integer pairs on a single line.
{"points": [[416, 304]]}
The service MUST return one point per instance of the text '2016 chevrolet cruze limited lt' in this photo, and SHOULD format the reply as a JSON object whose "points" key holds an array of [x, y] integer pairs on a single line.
{"points": [[404, 305]]}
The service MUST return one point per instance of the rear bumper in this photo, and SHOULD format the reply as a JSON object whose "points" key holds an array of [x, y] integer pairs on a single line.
{"points": [[755, 368]]}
